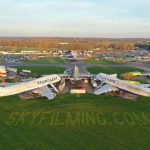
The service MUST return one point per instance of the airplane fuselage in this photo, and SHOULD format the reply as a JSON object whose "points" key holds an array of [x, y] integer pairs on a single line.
{"points": [[27, 86], [124, 85]]}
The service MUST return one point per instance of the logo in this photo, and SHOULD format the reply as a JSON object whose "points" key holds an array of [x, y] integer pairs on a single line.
{"points": [[47, 80], [103, 78]]}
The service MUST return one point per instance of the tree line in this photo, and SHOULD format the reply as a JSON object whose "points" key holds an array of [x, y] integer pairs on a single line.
{"points": [[67, 43]]}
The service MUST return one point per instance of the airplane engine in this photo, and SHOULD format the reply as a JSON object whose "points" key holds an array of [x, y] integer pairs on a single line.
{"points": [[85, 81], [94, 83]]}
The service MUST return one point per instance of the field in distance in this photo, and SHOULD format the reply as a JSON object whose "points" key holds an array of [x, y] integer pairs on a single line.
{"points": [[53, 60], [103, 62], [44, 70]]}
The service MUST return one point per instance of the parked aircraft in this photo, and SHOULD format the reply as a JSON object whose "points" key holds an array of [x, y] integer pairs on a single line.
{"points": [[7, 73], [110, 83], [36, 86], [73, 57], [102, 83], [75, 74]]}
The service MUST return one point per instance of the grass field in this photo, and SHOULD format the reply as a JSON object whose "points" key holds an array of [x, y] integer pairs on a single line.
{"points": [[103, 122], [36, 70], [112, 70], [126, 133], [53, 60], [94, 61]]}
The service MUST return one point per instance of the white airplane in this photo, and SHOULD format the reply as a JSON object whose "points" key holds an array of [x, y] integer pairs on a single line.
{"points": [[39, 86], [108, 83], [36, 86], [73, 57], [111, 83], [75, 74], [7, 73]]}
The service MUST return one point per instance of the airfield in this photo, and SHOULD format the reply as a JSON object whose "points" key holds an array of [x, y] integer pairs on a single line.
{"points": [[75, 121]]}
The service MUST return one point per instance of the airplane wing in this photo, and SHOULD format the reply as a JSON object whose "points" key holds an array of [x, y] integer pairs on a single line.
{"points": [[76, 58], [88, 75], [104, 89], [45, 91]]}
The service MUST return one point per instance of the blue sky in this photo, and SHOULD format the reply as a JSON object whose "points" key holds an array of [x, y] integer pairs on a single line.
{"points": [[78, 18]]}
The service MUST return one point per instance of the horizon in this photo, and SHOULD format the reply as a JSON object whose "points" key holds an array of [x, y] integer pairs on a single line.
{"points": [[74, 37], [82, 18]]}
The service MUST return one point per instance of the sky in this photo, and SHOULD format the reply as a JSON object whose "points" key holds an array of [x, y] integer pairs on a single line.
{"points": [[75, 18]]}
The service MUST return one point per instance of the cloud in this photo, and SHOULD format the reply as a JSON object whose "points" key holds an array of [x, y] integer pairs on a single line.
{"points": [[72, 4], [35, 8], [54, 4], [80, 17]]}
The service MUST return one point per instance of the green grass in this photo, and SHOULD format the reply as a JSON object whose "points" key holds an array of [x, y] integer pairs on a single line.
{"points": [[17, 133], [54, 60], [112, 70], [142, 81], [36, 70], [94, 61]]}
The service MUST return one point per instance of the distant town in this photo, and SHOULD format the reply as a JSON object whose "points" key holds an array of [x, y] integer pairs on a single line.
{"points": [[116, 50]]}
